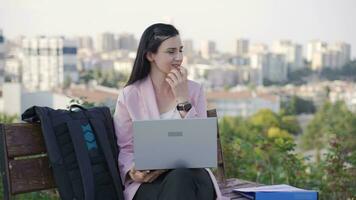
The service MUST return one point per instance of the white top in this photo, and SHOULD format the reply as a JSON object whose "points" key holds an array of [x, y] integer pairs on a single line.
{"points": [[172, 114]]}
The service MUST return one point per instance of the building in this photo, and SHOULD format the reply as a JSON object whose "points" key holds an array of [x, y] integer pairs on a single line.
{"points": [[127, 41], [16, 99], [13, 70], [106, 42], [188, 48], [48, 62], [207, 49], [273, 67], [334, 56], [344, 53], [2, 57], [85, 42], [258, 48], [242, 47], [242, 103], [292, 52], [313, 47], [124, 66]]}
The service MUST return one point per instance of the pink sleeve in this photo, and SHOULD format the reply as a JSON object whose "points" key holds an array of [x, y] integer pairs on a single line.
{"points": [[123, 131], [198, 109]]}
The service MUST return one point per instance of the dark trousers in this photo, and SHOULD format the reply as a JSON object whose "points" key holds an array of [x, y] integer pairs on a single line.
{"points": [[178, 184]]}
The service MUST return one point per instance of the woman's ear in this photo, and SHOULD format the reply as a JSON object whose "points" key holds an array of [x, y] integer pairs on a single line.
{"points": [[149, 56]]}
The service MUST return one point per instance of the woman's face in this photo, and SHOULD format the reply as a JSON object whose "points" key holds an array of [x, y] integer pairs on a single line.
{"points": [[169, 55]]}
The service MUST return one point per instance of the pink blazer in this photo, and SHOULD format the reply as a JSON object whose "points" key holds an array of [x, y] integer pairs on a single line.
{"points": [[138, 102]]}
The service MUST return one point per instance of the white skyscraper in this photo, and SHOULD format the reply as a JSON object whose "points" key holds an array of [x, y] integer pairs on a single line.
{"points": [[48, 62], [242, 46], [344, 50], [85, 42], [2, 57], [258, 48], [188, 47], [207, 49], [333, 56], [106, 42], [313, 47], [127, 41], [292, 53], [273, 67]]}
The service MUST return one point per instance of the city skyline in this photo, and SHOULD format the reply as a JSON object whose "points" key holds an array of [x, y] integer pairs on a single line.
{"points": [[258, 21]]}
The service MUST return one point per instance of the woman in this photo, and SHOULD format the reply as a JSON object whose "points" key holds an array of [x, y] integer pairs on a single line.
{"points": [[158, 89]]}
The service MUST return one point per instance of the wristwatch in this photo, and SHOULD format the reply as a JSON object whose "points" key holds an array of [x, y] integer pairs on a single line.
{"points": [[185, 106]]}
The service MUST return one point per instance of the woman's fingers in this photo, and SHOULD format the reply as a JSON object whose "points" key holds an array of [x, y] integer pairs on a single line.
{"points": [[184, 72], [169, 81], [138, 176], [149, 176], [177, 74], [173, 77], [155, 175]]}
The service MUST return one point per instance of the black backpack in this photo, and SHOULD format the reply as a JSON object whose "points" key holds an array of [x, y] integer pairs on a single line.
{"points": [[82, 150]]}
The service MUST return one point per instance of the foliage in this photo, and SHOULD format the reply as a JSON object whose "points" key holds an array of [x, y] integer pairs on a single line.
{"points": [[5, 118], [298, 77], [347, 72], [261, 149], [108, 78], [297, 105], [340, 173]]}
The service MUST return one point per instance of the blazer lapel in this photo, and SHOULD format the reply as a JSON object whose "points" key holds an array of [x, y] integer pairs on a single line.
{"points": [[149, 98]]}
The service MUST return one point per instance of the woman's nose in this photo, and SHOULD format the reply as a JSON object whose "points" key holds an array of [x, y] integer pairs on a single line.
{"points": [[178, 56]]}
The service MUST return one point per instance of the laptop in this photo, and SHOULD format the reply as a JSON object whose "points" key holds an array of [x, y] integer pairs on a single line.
{"points": [[175, 143]]}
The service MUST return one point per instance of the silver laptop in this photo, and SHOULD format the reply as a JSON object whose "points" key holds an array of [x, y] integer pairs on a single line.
{"points": [[176, 143]]}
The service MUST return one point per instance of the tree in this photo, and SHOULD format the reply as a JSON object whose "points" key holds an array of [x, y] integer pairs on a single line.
{"points": [[297, 105], [258, 149]]}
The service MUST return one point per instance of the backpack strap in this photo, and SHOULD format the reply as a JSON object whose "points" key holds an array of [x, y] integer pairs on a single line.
{"points": [[83, 159], [103, 140], [54, 153]]}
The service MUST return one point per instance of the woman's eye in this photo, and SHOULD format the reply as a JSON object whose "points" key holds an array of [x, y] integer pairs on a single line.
{"points": [[171, 52]]}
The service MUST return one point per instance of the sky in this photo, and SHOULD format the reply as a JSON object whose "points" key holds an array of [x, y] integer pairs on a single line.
{"points": [[222, 21]]}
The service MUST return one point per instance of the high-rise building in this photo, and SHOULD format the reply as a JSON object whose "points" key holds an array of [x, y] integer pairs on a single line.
{"points": [[207, 49], [345, 52], [48, 62], [2, 57], [258, 48], [85, 42], [242, 46], [188, 47], [313, 47], [333, 56], [273, 67], [292, 53], [127, 41], [106, 42]]}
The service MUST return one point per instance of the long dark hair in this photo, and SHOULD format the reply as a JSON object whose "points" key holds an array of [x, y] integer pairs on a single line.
{"points": [[150, 40]]}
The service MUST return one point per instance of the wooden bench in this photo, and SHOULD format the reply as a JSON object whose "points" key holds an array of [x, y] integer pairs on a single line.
{"points": [[25, 166]]}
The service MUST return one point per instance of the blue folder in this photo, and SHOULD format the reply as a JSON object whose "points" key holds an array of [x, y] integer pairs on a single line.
{"points": [[277, 192]]}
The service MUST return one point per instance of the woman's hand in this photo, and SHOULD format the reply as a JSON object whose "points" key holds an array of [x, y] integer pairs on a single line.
{"points": [[144, 176], [177, 79]]}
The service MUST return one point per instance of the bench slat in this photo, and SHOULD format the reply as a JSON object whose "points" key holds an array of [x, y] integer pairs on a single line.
{"points": [[29, 175], [24, 139]]}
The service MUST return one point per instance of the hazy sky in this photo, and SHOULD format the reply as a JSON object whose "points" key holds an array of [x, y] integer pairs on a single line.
{"points": [[222, 21]]}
